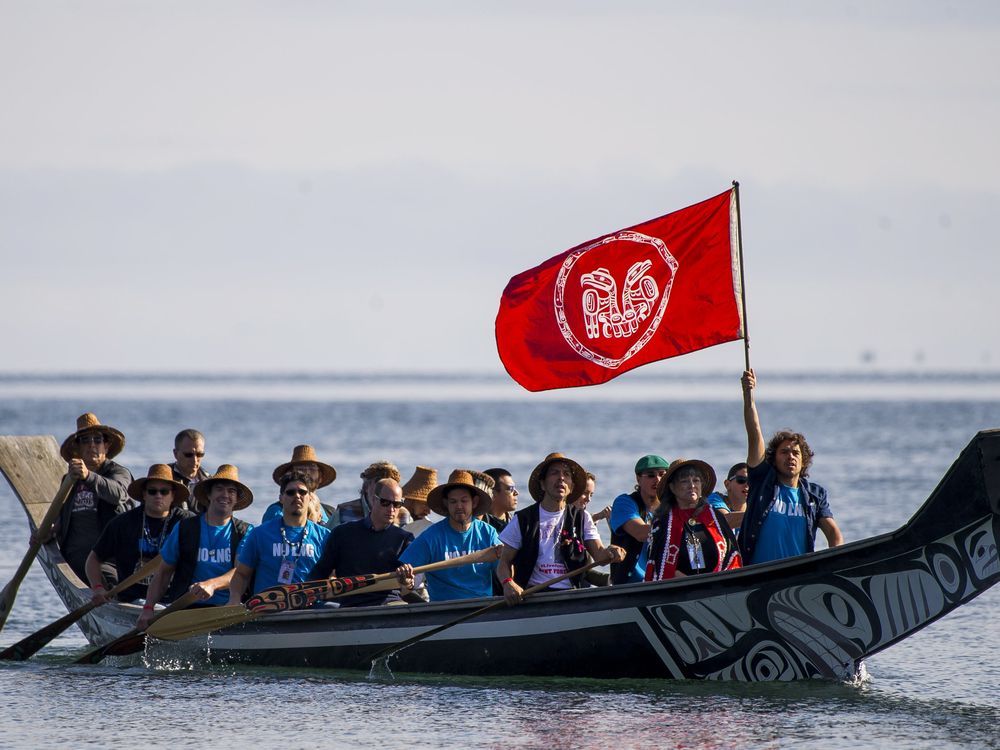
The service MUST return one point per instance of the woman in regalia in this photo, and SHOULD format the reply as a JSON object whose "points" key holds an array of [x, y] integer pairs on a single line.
{"points": [[688, 536]]}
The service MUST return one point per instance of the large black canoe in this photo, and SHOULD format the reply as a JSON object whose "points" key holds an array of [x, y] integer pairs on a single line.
{"points": [[817, 615]]}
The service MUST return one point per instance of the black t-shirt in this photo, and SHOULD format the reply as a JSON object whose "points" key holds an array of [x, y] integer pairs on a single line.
{"points": [[132, 539], [356, 549]]}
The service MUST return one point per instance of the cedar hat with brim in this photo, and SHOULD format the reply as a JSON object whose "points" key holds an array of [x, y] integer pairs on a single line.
{"points": [[305, 454], [487, 484], [228, 473], [538, 474], [87, 424], [458, 478], [161, 473], [707, 476], [419, 486]]}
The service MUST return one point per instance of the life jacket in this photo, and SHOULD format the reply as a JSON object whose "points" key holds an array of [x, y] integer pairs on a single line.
{"points": [[189, 531], [632, 546], [572, 552]]}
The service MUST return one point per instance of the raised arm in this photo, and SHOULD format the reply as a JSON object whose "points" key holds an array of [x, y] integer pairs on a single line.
{"points": [[755, 437]]}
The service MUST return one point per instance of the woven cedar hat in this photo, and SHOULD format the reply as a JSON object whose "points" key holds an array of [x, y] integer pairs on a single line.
{"points": [[87, 424], [162, 473], [303, 454], [418, 486], [707, 476], [538, 473], [229, 473], [486, 483], [457, 478]]}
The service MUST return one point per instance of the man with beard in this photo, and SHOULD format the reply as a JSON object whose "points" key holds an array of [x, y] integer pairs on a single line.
{"points": [[550, 538], [459, 534]]}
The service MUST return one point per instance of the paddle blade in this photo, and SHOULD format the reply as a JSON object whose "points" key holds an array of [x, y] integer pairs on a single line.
{"points": [[7, 601], [27, 647], [132, 642], [188, 623]]}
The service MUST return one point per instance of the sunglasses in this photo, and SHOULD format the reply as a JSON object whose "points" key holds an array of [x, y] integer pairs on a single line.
{"points": [[390, 503], [192, 454], [90, 439], [296, 493], [154, 491], [507, 488], [739, 480]]}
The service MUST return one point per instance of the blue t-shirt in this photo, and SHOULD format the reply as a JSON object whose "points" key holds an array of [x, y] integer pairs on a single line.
{"points": [[625, 509], [441, 542], [214, 555], [274, 510], [264, 549], [718, 502], [783, 533]]}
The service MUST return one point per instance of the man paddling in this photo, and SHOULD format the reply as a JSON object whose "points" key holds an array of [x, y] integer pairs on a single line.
{"points": [[189, 450], [136, 537], [282, 550], [371, 545], [460, 533], [200, 552], [783, 509], [100, 493], [550, 538]]}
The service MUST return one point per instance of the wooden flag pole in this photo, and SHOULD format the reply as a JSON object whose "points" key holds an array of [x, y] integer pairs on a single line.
{"points": [[743, 285]]}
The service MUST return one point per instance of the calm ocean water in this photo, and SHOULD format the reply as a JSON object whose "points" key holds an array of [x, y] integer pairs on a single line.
{"points": [[882, 443]]}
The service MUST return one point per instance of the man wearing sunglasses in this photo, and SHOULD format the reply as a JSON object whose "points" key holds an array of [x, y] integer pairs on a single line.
{"points": [[734, 502], [134, 538], [371, 545], [189, 450], [284, 549]]}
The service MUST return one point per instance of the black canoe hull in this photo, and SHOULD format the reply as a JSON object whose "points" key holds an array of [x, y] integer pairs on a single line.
{"points": [[817, 615]]}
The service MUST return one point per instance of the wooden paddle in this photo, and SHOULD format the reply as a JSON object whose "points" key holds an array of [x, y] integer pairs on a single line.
{"points": [[26, 647], [134, 640], [44, 529], [387, 652], [183, 625]]}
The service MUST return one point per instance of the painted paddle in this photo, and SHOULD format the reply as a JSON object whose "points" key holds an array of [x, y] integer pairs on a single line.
{"points": [[134, 640], [26, 647], [296, 596], [387, 652], [10, 590]]}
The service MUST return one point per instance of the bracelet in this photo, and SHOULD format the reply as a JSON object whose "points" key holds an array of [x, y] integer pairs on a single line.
{"points": [[98, 586], [147, 606], [505, 581]]}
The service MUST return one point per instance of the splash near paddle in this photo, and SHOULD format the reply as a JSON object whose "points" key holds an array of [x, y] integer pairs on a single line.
{"points": [[666, 287]]}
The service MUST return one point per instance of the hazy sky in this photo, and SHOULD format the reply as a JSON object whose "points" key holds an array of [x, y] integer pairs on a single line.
{"points": [[349, 186]]}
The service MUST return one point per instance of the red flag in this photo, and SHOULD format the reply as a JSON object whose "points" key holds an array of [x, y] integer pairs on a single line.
{"points": [[665, 287]]}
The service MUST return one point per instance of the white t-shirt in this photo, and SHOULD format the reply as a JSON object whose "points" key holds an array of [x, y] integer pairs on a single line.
{"points": [[549, 565]]}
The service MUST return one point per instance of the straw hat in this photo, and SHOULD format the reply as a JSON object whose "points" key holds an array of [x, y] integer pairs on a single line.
{"points": [[418, 486], [486, 483], [457, 478], [303, 454], [163, 473], [229, 473], [707, 476], [538, 473], [87, 424]]}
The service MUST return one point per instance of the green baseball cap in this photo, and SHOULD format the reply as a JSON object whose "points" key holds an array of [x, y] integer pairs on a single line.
{"points": [[651, 462]]}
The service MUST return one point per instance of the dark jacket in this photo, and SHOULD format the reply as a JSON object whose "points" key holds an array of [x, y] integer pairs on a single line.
{"points": [[763, 483], [110, 486], [178, 477]]}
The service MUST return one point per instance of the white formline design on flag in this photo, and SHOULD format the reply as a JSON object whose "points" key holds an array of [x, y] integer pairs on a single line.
{"points": [[601, 298]]}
